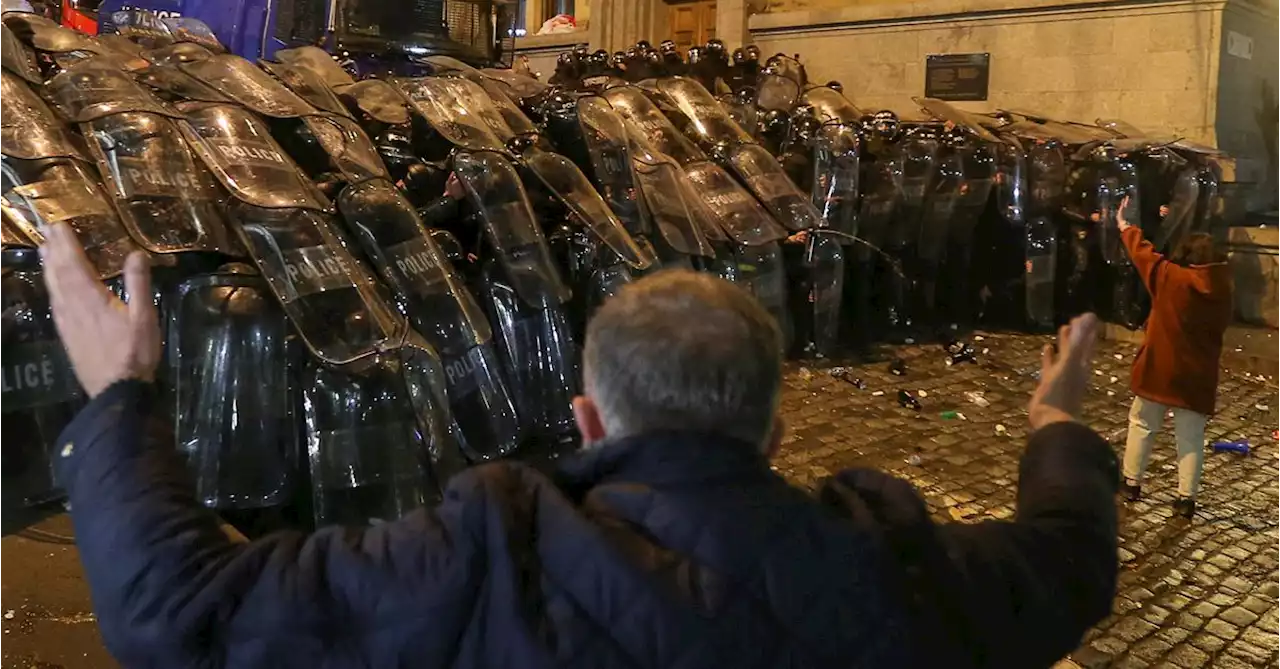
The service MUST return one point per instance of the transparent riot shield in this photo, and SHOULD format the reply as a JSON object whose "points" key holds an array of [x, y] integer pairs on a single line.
{"points": [[318, 62], [328, 294], [829, 105], [762, 174], [763, 270], [1119, 179], [708, 120], [233, 384], [919, 161], [825, 261], [652, 124], [837, 176], [40, 391], [167, 199], [377, 444], [1011, 183], [249, 85], [524, 296], [940, 207], [47, 180], [308, 85], [1180, 220], [1041, 270], [438, 305]]}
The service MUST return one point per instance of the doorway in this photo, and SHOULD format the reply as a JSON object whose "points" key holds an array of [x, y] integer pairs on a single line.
{"points": [[691, 23]]}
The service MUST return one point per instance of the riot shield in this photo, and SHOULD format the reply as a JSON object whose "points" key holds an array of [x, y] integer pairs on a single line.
{"points": [[46, 180], [709, 121], [825, 262], [176, 54], [741, 216], [1041, 247], [318, 62], [919, 160], [1119, 180], [308, 85], [374, 459], [166, 198], [189, 30], [1011, 183], [525, 297], [571, 187], [450, 105], [379, 100], [174, 84], [674, 207], [248, 85], [440, 308], [836, 176], [1180, 221], [329, 296], [775, 91], [980, 169], [603, 148], [495, 189], [763, 271], [47, 36], [347, 148], [1047, 177], [762, 174], [830, 105], [233, 388], [16, 58], [940, 206], [91, 89], [652, 124], [40, 392]]}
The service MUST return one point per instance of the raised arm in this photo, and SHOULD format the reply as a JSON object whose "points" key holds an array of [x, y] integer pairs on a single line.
{"points": [[1017, 593], [1141, 252], [169, 588]]}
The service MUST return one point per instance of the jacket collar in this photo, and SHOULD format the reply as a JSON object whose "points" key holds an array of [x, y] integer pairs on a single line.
{"points": [[662, 459]]}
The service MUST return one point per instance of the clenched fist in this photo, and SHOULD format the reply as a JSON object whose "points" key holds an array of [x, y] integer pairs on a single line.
{"points": [[106, 340]]}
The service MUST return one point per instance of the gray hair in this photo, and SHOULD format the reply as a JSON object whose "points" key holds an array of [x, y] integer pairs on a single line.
{"points": [[684, 351]]}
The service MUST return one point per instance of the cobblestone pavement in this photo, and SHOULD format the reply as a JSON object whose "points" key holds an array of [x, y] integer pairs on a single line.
{"points": [[1202, 593], [1191, 594]]}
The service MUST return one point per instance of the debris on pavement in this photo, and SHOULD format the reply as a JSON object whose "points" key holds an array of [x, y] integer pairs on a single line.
{"points": [[877, 393], [1240, 446], [907, 401], [913, 460], [921, 393], [805, 374], [898, 367], [977, 397], [949, 415], [8, 615], [1001, 430]]}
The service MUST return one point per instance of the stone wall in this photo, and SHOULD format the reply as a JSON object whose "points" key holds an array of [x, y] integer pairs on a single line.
{"points": [[1148, 65], [1162, 66]]}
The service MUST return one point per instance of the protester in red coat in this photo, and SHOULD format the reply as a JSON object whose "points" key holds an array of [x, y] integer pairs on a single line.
{"points": [[1177, 365]]}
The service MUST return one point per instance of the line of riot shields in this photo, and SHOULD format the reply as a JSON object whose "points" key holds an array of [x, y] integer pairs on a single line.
{"points": [[340, 338]]}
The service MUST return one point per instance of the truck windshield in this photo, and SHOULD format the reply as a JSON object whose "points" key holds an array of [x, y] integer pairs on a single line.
{"points": [[393, 20]]}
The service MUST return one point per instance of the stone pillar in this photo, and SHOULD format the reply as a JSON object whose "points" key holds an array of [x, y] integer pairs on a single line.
{"points": [[617, 24], [731, 21]]}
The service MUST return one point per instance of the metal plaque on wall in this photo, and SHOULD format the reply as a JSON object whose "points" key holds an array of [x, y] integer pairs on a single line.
{"points": [[957, 76]]}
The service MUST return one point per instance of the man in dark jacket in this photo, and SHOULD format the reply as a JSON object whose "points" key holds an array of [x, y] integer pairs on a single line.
{"points": [[669, 543]]}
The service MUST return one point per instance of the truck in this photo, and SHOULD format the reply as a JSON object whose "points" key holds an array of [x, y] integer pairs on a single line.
{"points": [[370, 36]]}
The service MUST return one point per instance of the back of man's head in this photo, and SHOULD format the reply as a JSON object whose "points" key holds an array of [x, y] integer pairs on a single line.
{"points": [[684, 351]]}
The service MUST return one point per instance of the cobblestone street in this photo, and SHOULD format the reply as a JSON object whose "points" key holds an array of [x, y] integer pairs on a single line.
{"points": [[1191, 594]]}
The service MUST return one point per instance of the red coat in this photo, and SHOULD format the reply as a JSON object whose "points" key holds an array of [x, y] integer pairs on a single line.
{"points": [[1191, 307]]}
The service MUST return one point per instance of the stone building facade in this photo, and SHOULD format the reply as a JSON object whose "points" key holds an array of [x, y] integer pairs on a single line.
{"points": [[1202, 69]]}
